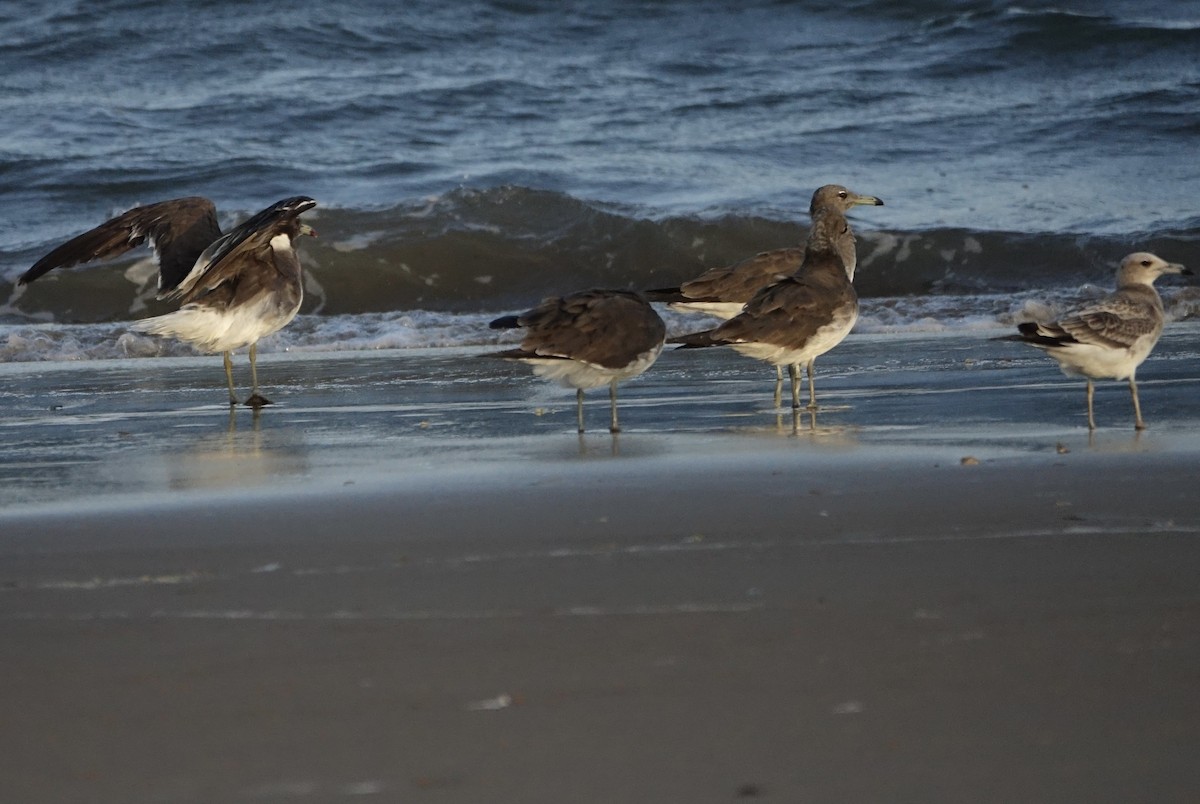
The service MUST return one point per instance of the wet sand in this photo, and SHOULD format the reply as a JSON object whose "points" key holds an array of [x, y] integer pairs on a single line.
{"points": [[391, 588]]}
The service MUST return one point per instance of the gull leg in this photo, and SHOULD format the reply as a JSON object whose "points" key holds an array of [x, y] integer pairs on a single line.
{"points": [[228, 359], [812, 389], [1091, 392], [794, 374], [1138, 424], [256, 399], [778, 387], [612, 399], [579, 407]]}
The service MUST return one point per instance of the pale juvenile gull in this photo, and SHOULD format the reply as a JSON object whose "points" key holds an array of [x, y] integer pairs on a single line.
{"points": [[1111, 338], [800, 317], [724, 291], [234, 288], [588, 339]]}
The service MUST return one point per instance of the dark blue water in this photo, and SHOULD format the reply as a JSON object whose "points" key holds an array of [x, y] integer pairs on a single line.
{"points": [[471, 155]]}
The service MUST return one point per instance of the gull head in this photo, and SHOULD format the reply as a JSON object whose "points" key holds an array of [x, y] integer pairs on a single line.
{"points": [[1142, 268], [835, 196]]}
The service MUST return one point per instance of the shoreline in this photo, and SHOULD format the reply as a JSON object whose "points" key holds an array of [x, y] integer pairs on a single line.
{"points": [[401, 588]]}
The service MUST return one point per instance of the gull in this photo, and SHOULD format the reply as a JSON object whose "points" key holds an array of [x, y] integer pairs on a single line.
{"points": [[234, 288], [798, 318], [1111, 338], [724, 291], [588, 339]]}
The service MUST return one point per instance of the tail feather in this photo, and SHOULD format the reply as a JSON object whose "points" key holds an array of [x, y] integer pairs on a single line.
{"points": [[664, 295], [523, 354], [1035, 334], [186, 324], [509, 354], [506, 322], [696, 340]]}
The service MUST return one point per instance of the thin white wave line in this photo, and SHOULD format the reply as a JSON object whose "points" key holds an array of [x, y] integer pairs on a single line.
{"points": [[431, 615], [567, 553], [842, 541], [305, 789], [91, 584]]}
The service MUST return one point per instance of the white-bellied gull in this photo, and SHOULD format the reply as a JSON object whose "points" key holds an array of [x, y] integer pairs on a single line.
{"points": [[234, 288], [1112, 337], [799, 318], [588, 339], [724, 291]]}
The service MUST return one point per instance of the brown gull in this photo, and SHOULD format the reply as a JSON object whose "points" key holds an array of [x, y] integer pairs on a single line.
{"points": [[724, 291], [798, 318], [588, 339]]}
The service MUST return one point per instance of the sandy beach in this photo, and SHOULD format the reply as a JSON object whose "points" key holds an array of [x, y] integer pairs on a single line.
{"points": [[412, 581]]}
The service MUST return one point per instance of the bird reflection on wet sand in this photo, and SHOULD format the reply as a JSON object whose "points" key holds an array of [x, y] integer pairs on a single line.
{"points": [[236, 458]]}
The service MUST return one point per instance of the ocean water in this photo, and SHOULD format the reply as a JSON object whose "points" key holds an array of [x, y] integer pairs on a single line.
{"points": [[472, 157]]}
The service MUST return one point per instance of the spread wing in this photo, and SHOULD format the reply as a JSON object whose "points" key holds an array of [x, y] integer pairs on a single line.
{"points": [[179, 230], [246, 247]]}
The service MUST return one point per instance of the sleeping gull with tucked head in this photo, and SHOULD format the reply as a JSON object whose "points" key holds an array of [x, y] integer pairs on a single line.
{"points": [[587, 340], [1111, 338]]}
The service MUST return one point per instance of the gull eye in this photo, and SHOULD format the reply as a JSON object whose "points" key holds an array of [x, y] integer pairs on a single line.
{"points": [[841, 194], [1145, 263]]}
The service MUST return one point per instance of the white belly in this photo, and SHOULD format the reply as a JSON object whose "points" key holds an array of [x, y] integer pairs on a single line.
{"points": [[215, 330], [818, 344], [1101, 363], [577, 374]]}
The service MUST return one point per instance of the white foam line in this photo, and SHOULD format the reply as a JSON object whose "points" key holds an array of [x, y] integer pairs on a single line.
{"points": [[559, 553], [569, 553], [433, 615], [306, 789], [90, 584]]}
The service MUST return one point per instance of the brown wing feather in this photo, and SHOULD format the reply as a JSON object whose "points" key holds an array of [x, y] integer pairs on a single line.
{"points": [[247, 245], [1116, 323], [249, 279], [180, 230], [790, 311], [252, 256], [740, 281], [790, 317], [608, 328], [181, 235]]}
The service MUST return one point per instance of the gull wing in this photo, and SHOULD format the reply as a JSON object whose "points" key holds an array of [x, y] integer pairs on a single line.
{"points": [[179, 230], [609, 328], [229, 255], [1114, 323]]}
